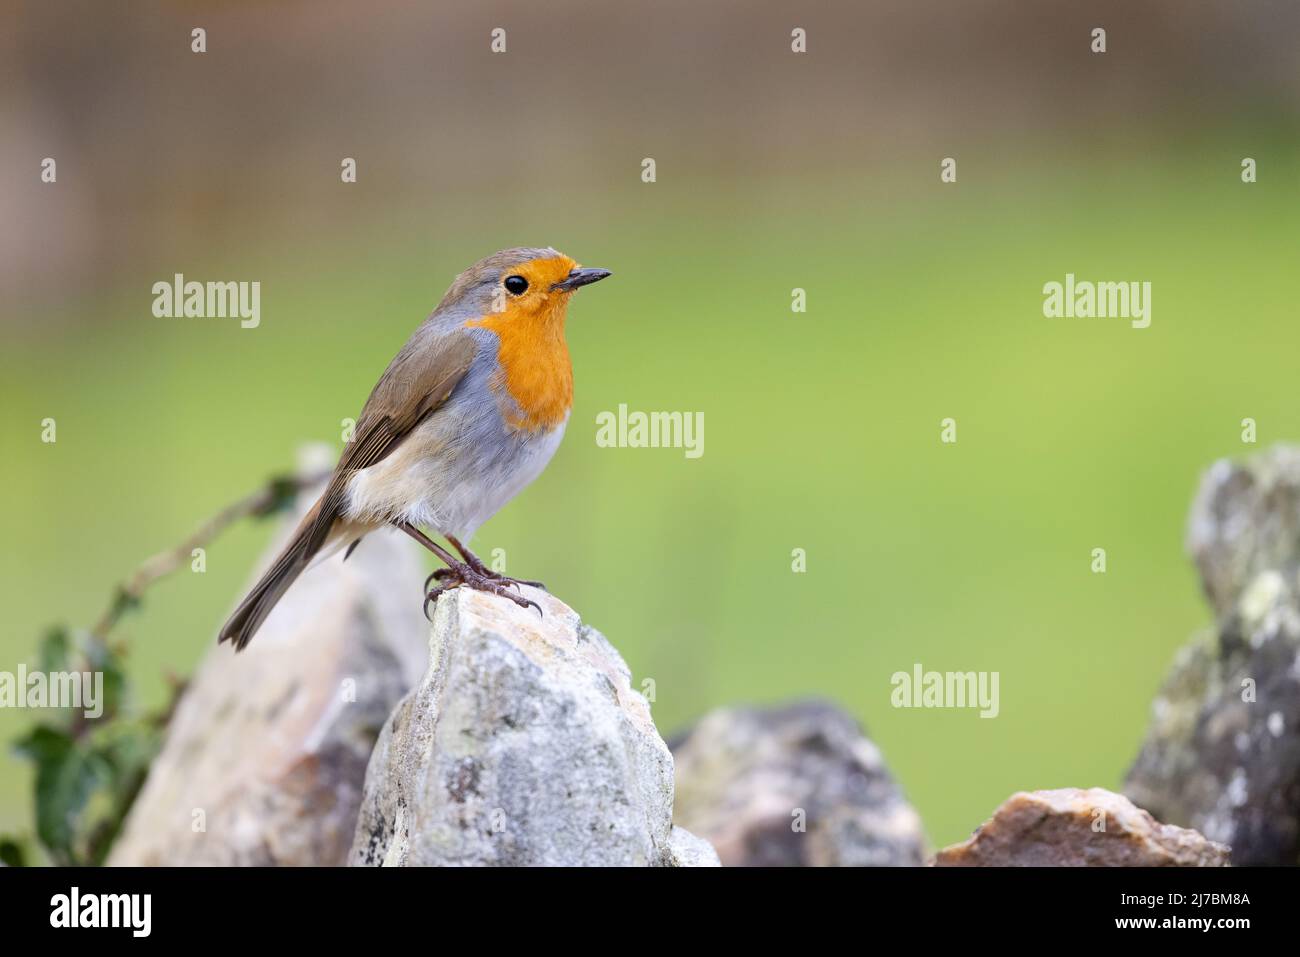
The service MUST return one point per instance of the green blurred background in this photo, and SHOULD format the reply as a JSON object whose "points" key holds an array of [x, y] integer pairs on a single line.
{"points": [[775, 171]]}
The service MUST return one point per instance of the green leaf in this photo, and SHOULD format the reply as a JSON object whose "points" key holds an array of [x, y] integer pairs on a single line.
{"points": [[13, 853], [55, 651], [112, 664], [123, 601], [284, 491], [65, 778], [43, 743]]}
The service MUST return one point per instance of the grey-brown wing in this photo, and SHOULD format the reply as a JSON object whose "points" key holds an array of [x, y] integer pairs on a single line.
{"points": [[414, 386]]}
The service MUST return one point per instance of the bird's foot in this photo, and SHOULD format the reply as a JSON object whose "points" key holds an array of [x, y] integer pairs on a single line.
{"points": [[480, 569], [462, 573]]}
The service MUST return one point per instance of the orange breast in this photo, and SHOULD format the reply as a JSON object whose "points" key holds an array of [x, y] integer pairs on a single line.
{"points": [[535, 368]]}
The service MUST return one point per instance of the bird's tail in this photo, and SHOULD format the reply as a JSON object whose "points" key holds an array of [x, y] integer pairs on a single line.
{"points": [[290, 563]]}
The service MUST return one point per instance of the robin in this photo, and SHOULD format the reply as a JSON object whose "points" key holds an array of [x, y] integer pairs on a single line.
{"points": [[465, 416]]}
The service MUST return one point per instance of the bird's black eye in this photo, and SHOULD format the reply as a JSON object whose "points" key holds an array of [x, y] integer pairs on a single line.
{"points": [[516, 285]]}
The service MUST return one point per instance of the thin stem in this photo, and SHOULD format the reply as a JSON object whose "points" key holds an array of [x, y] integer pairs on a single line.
{"points": [[272, 496]]}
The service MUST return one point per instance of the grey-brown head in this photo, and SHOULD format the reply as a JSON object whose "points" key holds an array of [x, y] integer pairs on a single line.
{"points": [[525, 281]]}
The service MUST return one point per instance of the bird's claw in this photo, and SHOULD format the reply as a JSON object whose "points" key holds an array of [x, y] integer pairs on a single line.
{"points": [[431, 598], [480, 580], [444, 573]]}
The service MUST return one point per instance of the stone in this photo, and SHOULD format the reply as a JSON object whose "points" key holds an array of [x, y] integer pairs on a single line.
{"points": [[1222, 751], [687, 850], [263, 761], [797, 785], [1075, 827], [1245, 519], [524, 744]]}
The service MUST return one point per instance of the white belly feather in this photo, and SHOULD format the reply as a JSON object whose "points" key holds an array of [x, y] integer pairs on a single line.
{"points": [[451, 475]]}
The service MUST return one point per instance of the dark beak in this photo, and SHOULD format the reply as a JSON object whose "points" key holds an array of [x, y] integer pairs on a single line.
{"points": [[580, 277]]}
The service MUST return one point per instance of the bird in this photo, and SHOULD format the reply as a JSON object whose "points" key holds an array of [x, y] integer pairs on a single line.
{"points": [[467, 414]]}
